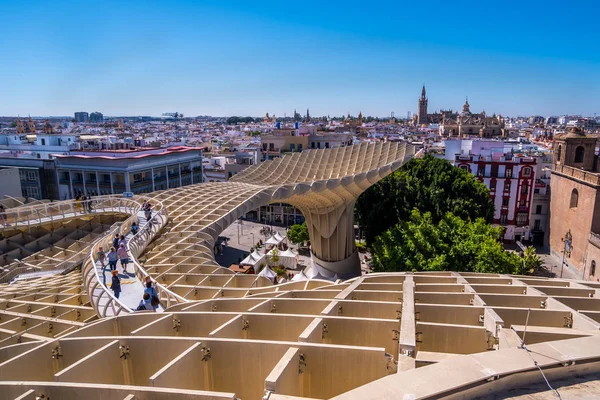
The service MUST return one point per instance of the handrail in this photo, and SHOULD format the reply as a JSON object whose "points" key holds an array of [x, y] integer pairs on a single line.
{"points": [[89, 270], [103, 302], [22, 217], [136, 246], [138, 243], [48, 212]]}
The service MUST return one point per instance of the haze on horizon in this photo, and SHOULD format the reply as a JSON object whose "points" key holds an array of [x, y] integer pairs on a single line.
{"points": [[246, 58]]}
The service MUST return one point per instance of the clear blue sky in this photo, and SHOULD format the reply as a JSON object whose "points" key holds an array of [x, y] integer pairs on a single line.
{"points": [[251, 57]]}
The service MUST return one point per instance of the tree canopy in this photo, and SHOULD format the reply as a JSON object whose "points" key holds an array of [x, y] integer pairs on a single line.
{"points": [[430, 185], [298, 233], [236, 120], [452, 243]]}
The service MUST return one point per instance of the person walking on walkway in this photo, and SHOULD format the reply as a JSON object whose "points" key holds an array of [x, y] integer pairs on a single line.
{"points": [[151, 291], [124, 257], [89, 203], [145, 303], [101, 257], [116, 241], [134, 228], [113, 257], [116, 284], [122, 242], [78, 204]]}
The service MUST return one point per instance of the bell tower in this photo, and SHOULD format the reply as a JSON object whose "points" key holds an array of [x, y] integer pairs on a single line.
{"points": [[575, 149], [422, 116]]}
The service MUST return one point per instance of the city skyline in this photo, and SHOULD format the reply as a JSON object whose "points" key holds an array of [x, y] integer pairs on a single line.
{"points": [[248, 59]]}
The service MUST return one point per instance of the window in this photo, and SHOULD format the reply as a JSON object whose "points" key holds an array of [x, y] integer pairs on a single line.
{"points": [[593, 268], [558, 153], [525, 188], [538, 209], [495, 171], [522, 203], [526, 171], [43, 142], [299, 146], [536, 191], [292, 147], [579, 154], [574, 198], [505, 202], [326, 145], [507, 186], [537, 224], [480, 170], [503, 219], [465, 167], [312, 145], [521, 219], [271, 146], [508, 173]]}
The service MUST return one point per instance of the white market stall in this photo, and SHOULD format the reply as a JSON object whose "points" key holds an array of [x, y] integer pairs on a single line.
{"points": [[287, 258]]}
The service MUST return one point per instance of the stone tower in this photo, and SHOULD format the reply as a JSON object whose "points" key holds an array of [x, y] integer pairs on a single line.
{"points": [[466, 107], [575, 149], [20, 127], [422, 115]]}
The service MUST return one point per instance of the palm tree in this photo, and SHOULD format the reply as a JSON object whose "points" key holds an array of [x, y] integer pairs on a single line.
{"points": [[532, 263]]}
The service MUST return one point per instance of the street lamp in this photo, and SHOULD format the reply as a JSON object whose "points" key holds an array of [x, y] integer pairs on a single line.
{"points": [[566, 250]]}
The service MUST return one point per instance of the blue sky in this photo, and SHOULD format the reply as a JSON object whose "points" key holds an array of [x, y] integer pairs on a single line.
{"points": [[251, 57]]}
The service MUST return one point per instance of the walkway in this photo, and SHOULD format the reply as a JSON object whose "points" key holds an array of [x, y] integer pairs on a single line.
{"points": [[132, 289]]}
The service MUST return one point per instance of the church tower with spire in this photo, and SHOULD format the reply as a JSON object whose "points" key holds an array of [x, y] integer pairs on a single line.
{"points": [[422, 115], [466, 107]]}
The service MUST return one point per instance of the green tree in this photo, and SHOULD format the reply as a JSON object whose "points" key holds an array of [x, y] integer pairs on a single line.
{"points": [[428, 184], [452, 244], [274, 259], [298, 233]]}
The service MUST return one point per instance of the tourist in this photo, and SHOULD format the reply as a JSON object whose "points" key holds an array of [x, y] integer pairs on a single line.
{"points": [[89, 203], [84, 204], [113, 257], [145, 303], [148, 214], [116, 284], [122, 242], [101, 257], [77, 204], [134, 228], [151, 291], [116, 241], [124, 257]]}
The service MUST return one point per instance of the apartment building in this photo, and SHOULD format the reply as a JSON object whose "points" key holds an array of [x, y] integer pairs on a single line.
{"points": [[510, 178]]}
